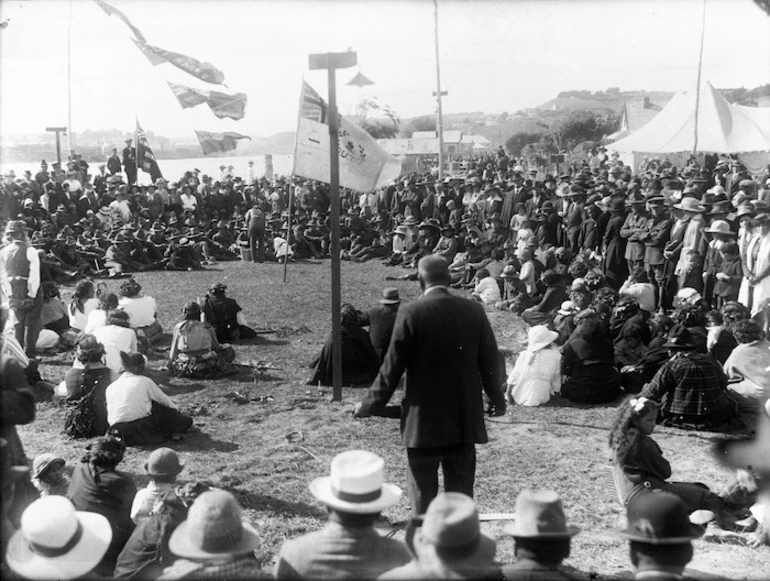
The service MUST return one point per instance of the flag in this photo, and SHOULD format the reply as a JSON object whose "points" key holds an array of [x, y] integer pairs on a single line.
{"points": [[364, 165], [221, 104], [203, 71], [112, 11], [212, 142], [145, 158]]}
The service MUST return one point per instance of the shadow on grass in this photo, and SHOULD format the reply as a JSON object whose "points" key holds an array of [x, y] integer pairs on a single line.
{"points": [[558, 401], [180, 388], [200, 441], [267, 503]]}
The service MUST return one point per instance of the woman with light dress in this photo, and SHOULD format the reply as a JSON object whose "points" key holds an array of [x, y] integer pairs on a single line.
{"points": [[142, 311], [537, 373], [98, 317], [82, 304], [116, 337]]}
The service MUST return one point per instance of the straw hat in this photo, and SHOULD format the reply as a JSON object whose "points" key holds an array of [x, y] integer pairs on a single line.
{"points": [[690, 205], [720, 227], [539, 337], [57, 542], [214, 529], [356, 484], [659, 518], [44, 462], [539, 514]]}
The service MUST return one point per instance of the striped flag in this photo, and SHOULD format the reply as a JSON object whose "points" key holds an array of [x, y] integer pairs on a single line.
{"points": [[221, 104], [112, 11], [203, 71], [145, 158], [364, 165], [213, 142]]}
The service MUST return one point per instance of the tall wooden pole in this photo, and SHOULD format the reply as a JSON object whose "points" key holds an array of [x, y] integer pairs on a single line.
{"points": [[697, 86], [69, 83], [439, 123], [58, 131], [288, 232], [333, 61]]}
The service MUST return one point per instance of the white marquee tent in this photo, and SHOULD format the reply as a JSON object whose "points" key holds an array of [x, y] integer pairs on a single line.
{"points": [[722, 128]]}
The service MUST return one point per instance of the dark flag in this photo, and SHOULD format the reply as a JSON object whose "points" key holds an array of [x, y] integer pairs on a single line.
{"points": [[203, 71], [221, 104], [213, 142], [111, 11], [145, 158]]}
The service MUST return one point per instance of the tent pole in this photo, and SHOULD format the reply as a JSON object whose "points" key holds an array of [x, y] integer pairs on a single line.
{"points": [[697, 86]]}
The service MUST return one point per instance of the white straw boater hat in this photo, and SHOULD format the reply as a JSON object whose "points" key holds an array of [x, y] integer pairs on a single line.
{"points": [[355, 484], [539, 337], [57, 542]]}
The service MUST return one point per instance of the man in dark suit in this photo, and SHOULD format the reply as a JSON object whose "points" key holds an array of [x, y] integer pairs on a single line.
{"points": [[448, 350], [381, 319]]}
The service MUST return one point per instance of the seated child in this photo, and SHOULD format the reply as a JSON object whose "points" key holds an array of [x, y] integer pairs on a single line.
{"points": [[49, 476], [162, 467]]}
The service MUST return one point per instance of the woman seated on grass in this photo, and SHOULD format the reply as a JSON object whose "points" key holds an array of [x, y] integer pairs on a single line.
{"points": [[116, 337], [486, 288], [639, 466], [536, 375], [138, 410], [748, 366], [195, 350], [360, 362], [86, 383], [82, 304], [98, 317], [142, 311], [55, 321]]}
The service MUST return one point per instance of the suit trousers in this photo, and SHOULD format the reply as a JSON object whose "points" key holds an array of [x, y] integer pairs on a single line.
{"points": [[458, 463]]}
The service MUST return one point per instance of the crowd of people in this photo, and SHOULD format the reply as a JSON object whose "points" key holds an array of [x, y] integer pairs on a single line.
{"points": [[653, 286]]}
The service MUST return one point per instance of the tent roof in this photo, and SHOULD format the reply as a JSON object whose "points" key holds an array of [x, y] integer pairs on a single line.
{"points": [[722, 127]]}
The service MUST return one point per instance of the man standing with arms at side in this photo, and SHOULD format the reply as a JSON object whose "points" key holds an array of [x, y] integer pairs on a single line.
{"points": [[448, 350], [20, 285], [129, 162]]}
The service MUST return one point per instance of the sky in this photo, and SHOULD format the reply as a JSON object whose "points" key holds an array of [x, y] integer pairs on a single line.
{"points": [[495, 56]]}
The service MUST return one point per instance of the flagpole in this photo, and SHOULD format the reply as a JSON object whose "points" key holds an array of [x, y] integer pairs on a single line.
{"points": [[69, 81], [288, 232], [332, 61], [697, 87], [440, 124], [136, 151]]}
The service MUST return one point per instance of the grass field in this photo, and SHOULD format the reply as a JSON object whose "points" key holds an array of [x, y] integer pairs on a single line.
{"points": [[267, 451]]}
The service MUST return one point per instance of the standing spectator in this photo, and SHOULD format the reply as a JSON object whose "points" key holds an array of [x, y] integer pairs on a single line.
{"points": [[20, 285], [256, 220], [349, 547], [97, 486], [113, 162], [449, 352], [129, 162]]}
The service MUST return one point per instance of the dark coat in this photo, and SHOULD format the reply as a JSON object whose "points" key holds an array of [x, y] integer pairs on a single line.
{"points": [[380, 321], [448, 350]]}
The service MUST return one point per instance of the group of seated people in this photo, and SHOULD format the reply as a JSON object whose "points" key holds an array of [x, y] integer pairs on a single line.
{"points": [[91, 521]]}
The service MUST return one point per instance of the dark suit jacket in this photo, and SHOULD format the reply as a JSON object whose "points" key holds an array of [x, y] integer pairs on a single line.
{"points": [[448, 350], [380, 321]]}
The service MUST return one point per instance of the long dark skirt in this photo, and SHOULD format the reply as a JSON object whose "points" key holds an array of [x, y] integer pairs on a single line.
{"points": [[597, 383], [159, 426]]}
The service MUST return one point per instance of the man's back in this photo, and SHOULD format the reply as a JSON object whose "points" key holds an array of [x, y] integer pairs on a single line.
{"points": [[381, 321], [448, 350], [340, 552]]}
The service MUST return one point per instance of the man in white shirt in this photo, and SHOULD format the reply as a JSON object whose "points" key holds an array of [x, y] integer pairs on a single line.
{"points": [[119, 206], [137, 408], [20, 285]]}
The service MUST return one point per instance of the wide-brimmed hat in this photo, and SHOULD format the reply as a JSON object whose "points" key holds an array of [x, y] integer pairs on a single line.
{"points": [[451, 526], [163, 462], [690, 205], [659, 518], [356, 484], [57, 542], [745, 210], [44, 462], [721, 207], [15, 226], [679, 337], [214, 528], [539, 337], [410, 221], [539, 514], [390, 296], [720, 227], [509, 271]]}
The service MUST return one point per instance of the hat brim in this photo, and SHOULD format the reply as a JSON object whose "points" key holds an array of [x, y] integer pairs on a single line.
{"points": [[696, 532], [178, 471], [321, 488], [482, 555], [669, 345], [180, 544], [696, 209], [728, 233], [84, 556], [514, 529], [390, 301]]}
